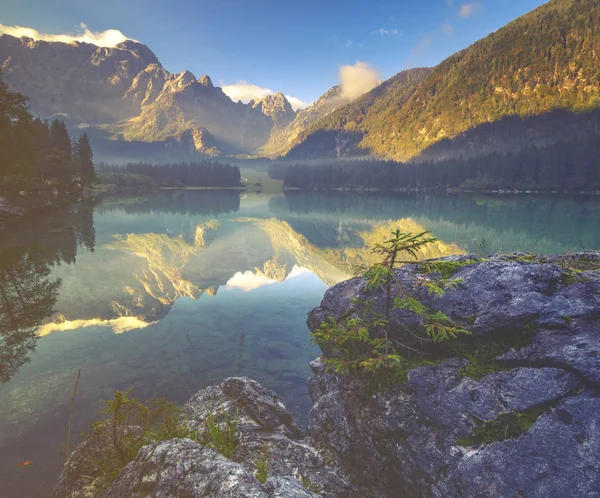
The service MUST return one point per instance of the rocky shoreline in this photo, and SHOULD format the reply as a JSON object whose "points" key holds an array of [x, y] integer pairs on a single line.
{"points": [[519, 415]]}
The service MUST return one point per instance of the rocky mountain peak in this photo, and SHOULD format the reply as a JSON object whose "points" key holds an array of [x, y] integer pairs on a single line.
{"points": [[326, 103], [185, 78], [81, 80], [276, 106], [205, 81], [141, 50]]}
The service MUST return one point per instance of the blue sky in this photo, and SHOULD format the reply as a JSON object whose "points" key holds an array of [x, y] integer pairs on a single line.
{"points": [[296, 47]]}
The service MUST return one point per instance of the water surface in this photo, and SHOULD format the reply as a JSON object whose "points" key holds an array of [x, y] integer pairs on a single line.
{"points": [[169, 293]]}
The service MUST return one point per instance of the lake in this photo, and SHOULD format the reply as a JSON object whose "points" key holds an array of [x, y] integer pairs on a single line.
{"points": [[171, 292]]}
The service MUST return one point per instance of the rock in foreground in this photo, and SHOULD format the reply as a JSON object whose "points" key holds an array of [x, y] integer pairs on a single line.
{"points": [[530, 426], [181, 467], [524, 424]]}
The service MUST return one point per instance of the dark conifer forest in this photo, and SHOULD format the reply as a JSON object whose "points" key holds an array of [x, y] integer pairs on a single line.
{"points": [[572, 166], [147, 175], [38, 155]]}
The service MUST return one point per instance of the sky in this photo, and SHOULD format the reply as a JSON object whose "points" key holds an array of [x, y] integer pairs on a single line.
{"points": [[298, 47]]}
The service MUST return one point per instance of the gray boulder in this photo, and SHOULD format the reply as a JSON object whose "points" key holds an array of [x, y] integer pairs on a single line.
{"points": [[287, 487], [530, 427], [265, 433], [181, 467], [575, 349], [266, 430], [499, 294], [558, 457]]}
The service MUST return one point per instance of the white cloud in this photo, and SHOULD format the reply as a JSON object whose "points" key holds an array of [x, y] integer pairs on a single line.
{"points": [[248, 281], [348, 43], [244, 91], [297, 103], [108, 38], [466, 9], [388, 32], [118, 325], [358, 79], [297, 271]]}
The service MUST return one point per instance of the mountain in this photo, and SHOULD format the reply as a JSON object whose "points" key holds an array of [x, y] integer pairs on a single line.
{"points": [[283, 139], [187, 106], [340, 132], [276, 106], [126, 96], [545, 61], [82, 81]]}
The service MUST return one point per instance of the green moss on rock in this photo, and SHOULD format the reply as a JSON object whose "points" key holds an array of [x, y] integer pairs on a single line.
{"points": [[482, 352], [505, 426], [446, 269]]}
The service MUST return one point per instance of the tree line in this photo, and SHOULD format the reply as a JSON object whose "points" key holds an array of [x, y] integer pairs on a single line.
{"points": [[148, 175], [563, 166], [36, 153]]}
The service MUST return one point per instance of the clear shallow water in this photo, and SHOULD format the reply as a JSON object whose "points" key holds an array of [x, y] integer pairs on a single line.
{"points": [[156, 293]]}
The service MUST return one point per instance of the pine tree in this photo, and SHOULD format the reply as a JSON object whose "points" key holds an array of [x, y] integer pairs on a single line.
{"points": [[41, 134], [83, 156], [16, 151], [60, 154]]}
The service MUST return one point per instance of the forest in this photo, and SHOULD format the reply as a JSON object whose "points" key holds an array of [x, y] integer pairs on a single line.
{"points": [[143, 176], [39, 156], [40, 164], [572, 166]]}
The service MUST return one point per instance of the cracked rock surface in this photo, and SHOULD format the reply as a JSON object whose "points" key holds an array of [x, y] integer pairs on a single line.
{"points": [[412, 439]]}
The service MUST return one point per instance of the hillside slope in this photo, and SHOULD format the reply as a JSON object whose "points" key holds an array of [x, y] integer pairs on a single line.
{"points": [[342, 132], [283, 139], [548, 59]]}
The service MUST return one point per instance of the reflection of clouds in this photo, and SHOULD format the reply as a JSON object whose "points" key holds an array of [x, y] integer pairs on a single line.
{"points": [[297, 271], [118, 325], [248, 281]]}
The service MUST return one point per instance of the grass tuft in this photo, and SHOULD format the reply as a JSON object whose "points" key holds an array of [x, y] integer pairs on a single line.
{"points": [[222, 434]]}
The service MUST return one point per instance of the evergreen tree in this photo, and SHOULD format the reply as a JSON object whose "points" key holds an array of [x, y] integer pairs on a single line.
{"points": [[83, 157], [41, 134], [16, 151], [34, 156], [61, 165]]}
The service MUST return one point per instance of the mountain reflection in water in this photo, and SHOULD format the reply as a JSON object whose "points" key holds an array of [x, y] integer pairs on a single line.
{"points": [[152, 292]]}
